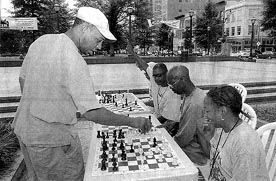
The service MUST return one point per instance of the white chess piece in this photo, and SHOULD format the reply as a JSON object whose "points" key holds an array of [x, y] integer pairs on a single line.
{"points": [[174, 162]]}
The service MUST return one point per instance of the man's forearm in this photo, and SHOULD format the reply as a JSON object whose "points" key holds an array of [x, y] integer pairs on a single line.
{"points": [[106, 117]]}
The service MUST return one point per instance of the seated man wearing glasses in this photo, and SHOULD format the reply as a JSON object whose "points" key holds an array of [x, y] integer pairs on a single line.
{"points": [[165, 102], [190, 135]]}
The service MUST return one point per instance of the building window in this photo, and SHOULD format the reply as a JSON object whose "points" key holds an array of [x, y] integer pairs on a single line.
{"points": [[228, 18], [233, 31], [239, 15], [180, 1], [180, 10], [239, 30], [233, 17], [227, 32]]}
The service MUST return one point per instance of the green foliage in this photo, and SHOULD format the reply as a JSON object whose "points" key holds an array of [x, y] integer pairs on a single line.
{"points": [[47, 18], [162, 36], [116, 13], [209, 18], [8, 148], [269, 17]]}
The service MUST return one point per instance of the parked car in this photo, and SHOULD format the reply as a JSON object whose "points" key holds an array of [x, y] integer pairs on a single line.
{"points": [[241, 54], [267, 54]]}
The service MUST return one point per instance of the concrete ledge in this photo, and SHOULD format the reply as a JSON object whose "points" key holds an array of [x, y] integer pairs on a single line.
{"points": [[16, 62]]}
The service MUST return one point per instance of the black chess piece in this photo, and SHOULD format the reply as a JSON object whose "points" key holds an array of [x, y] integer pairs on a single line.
{"points": [[123, 135], [104, 155], [154, 142], [149, 117], [130, 109], [107, 136], [115, 168], [105, 146], [135, 102], [123, 106], [122, 145], [131, 149], [113, 159], [103, 135], [123, 155], [115, 139], [116, 104], [99, 134], [126, 102], [113, 147], [103, 168]]}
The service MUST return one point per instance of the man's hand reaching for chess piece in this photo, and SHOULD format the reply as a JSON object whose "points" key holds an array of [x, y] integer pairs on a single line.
{"points": [[142, 123]]}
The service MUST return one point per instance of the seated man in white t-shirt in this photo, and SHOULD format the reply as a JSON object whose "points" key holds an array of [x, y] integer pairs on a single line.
{"points": [[165, 102]]}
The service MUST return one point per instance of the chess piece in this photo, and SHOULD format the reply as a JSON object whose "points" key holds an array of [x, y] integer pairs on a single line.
{"points": [[103, 135], [135, 103], [123, 155], [104, 155], [131, 149], [122, 145], [160, 158], [154, 142], [99, 134], [103, 168], [107, 136], [122, 136], [115, 168], [105, 146], [126, 102], [130, 109], [174, 162], [149, 117], [113, 159]]}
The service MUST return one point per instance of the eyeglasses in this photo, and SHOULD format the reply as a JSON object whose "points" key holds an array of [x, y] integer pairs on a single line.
{"points": [[171, 86], [159, 75]]}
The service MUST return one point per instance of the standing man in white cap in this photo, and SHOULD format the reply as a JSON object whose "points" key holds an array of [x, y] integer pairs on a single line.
{"points": [[55, 84]]}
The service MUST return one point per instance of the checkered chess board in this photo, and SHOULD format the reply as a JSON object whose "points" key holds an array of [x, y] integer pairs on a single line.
{"points": [[125, 103], [154, 158], [147, 161]]}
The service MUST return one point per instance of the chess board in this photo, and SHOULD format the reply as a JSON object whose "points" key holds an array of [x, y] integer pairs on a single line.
{"points": [[124, 103], [145, 156], [166, 161]]}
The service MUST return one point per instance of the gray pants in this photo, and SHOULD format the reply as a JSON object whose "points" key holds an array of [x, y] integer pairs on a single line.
{"points": [[54, 163]]}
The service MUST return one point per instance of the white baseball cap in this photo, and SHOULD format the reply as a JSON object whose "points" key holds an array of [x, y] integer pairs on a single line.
{"points": [[96, 18]]}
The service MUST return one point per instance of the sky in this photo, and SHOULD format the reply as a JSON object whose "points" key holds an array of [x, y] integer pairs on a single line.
{"points": [[6, 5]]}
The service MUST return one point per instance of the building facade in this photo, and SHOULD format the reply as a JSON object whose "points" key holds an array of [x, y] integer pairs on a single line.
{"points": [[240, 18]]}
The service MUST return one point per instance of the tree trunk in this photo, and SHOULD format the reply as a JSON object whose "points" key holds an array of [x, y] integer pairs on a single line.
{"points": [[111, 50]]}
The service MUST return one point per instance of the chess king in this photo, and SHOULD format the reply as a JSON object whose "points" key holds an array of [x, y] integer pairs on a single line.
{"points": [[55, 83]]}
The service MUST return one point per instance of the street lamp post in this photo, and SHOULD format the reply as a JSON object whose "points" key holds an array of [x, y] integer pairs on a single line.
{"points": [[130, 10], [191, 13], [253, 20], [208, 45], [57, 8]]}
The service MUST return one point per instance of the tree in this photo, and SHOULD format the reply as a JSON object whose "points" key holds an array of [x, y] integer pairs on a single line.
{"points": [[269, 18], [44, 11], [115, 11], [162, 37], [210, 19]]}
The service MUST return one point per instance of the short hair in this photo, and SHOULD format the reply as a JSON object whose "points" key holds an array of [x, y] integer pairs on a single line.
{"points": [[226, 96], [161, 66]]}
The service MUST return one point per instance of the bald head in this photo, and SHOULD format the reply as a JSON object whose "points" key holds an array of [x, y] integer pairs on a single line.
{"points": [[178, 72]]}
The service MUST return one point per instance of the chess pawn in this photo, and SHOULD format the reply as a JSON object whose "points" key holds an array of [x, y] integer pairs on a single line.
{"points": [[174, 162], [103, 168], [160, 158], [169, 154], [150, 154]]}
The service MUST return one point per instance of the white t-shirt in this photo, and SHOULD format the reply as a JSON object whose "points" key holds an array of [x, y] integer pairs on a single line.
{"points": [[166, 102], [57, 85], [242, 157]]}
